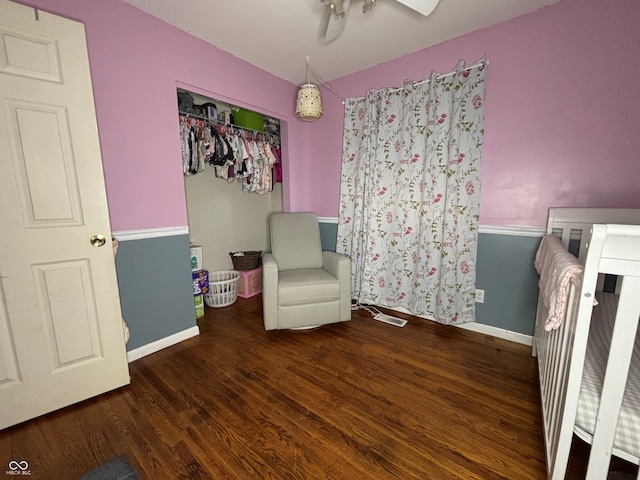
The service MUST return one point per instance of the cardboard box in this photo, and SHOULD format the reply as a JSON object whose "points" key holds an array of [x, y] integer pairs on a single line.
{"points": [[251, 283], [200, 281], [196, 257], [198, 301]]}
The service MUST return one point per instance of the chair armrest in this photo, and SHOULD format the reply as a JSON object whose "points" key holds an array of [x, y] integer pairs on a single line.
{"points": [[340, 267], [270, 291], [334, 262]]}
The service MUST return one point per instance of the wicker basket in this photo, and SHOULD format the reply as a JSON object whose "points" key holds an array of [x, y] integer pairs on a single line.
{"points": [[244, 261], [223, 288]]}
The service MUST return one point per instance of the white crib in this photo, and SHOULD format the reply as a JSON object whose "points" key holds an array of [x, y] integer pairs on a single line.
{"points": [[585, 363]]}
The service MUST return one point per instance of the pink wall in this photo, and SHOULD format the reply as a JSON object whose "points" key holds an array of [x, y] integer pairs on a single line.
{"points": [[136, 62], [562, 117]]}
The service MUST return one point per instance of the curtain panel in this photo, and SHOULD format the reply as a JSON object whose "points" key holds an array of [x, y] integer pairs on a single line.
{"points": [[410, 192]]}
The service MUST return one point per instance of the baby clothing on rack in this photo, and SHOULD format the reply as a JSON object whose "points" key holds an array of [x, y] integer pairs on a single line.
{"points": [[252, 159], [277, 168]]}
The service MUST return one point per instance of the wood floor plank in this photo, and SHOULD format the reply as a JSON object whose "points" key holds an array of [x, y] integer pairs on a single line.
{"points": [[356, 400]]}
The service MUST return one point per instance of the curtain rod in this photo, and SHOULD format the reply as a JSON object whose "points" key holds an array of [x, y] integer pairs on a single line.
{"points": [[480, 65]]}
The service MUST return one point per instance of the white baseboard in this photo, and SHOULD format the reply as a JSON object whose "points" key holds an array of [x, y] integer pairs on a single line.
{"points": [[484, 329], [498, 332], [158, 345]]}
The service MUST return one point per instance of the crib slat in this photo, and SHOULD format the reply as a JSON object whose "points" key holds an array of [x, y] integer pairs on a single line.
{"points": [[568, 346], [567, 384], [554, 356]]}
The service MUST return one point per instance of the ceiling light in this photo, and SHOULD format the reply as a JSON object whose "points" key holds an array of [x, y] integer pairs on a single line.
{"points": [[309, 100]]}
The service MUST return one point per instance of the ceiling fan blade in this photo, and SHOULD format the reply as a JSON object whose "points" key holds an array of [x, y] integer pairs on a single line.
{"points": [[424, 7], [336, 23]]}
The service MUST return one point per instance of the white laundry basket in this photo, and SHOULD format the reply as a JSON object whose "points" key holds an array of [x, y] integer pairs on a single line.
{"points": [[223, 288]]}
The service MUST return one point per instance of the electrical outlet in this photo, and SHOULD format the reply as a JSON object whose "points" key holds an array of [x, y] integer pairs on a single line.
{"points": [[479, 296]]}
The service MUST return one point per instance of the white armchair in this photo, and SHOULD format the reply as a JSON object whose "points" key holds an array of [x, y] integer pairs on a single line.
{"points": [[302, 286]]}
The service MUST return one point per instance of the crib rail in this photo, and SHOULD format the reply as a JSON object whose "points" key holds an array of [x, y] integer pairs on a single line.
{"points": [[606, 249], [560, 370]]}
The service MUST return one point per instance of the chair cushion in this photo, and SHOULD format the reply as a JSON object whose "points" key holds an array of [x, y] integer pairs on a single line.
{"points": [[309, 285], [295, 240]]}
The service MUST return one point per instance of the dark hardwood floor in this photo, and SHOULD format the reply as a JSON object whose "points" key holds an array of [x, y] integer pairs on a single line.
{"points": [[356, 400]]}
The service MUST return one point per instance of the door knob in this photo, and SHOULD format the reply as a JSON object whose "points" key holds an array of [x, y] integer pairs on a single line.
{"points": [[98, 240]]}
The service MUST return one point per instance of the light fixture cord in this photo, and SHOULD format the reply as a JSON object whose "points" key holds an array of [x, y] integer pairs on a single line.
{"points": [[321, 81]]}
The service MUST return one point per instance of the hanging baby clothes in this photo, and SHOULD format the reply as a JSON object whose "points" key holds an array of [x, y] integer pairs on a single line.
{"points": [[191, 146], [251, 159], [277, 168]]}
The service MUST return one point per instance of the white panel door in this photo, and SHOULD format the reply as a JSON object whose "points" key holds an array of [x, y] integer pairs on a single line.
{"points": [[61, 338]]}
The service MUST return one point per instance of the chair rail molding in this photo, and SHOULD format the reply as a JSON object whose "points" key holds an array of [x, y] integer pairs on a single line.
{"points": [[145, 233], [488, 229]]}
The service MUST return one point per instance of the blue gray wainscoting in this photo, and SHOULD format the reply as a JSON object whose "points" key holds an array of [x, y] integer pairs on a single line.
{"points": [[328, 233], [156, 295], [505, 272]]}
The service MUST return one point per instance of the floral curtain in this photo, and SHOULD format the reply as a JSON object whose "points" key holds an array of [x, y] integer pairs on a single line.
{"points": [[410, 193]]}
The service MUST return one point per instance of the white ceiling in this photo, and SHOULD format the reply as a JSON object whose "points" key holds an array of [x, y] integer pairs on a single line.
{"points": [[278, 35]]}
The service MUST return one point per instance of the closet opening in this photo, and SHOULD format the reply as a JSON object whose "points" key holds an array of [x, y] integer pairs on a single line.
{"points": [[231, 160]]}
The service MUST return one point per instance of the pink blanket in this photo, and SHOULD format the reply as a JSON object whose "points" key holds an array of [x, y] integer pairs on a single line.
{"points": [[557, 269]]}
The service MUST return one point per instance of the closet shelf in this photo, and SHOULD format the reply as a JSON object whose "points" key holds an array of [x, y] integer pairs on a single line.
{"points": [[230, 125]]}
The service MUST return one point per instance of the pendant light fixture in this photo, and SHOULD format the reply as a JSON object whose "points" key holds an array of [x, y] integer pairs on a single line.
{"points": [[309, 100]]}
